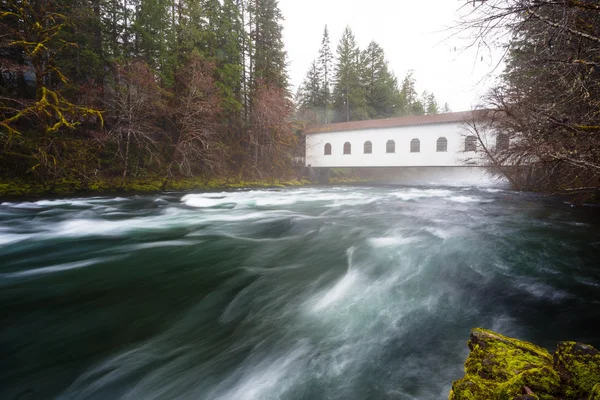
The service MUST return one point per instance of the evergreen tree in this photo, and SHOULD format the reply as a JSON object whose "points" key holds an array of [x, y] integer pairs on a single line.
{"points": [[348, 94], [310, 95], [381, 86], [407, 96], [172, 77], [268, 58], [446, 109], [431, 105], [409, 102], [152, 29], [229, 59], [325, 66]]}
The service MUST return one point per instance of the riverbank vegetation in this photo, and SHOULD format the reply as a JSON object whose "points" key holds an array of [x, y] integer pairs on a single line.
{"points": [[117, 93], [546, 103], [114, 93]]}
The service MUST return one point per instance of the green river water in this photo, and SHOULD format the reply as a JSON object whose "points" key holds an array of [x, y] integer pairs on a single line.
{"points": [[364, 292]]}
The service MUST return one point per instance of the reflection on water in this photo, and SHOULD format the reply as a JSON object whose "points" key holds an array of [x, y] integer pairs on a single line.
{"points": [[338, 293]]}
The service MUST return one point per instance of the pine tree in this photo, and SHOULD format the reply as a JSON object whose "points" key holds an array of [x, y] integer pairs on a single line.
{"points": [[431, 105], [348, 95], [228, 58], [269, 103], [269, 65], [310, 96], [408, 95], [409, 102], [325, 66], [152, 29], [446, 108], [381, 86]]}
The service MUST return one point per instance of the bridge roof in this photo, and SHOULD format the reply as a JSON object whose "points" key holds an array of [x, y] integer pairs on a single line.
{"points": [[392, 122]]}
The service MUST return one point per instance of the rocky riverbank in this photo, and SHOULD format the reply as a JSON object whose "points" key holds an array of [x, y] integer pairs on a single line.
{"points": [[503, 368]]}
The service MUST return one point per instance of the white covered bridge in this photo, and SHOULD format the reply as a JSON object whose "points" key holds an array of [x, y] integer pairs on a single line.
{"points": [[423, 146]]}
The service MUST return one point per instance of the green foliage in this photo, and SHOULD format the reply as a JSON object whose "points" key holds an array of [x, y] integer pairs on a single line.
{"points": [[359, 86], [349, 99], [150, 88], [20, 188], [381, 86], [409, 101], [325, 66], [431, 104], [268, 56], [311, 99]]}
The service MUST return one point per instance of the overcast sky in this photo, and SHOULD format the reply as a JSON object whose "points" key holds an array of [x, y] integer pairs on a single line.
{"points": [[415, 34]]}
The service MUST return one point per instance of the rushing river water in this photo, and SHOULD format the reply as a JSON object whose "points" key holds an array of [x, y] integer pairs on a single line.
{"points": [[317, 293]]}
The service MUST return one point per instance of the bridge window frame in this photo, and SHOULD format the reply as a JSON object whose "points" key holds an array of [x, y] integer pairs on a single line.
{"points": [[347, 148], [415, 146], [441, 145], [368, 147], [470, 143], [390, 147], [327, 149]]}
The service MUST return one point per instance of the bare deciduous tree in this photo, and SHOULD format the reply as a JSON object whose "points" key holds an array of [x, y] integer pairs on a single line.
{"points": [[135, 108], [271, 135], [548, 100], [197, 133]]}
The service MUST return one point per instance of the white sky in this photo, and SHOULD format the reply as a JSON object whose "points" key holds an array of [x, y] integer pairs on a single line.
{"points": [[415, 34]]}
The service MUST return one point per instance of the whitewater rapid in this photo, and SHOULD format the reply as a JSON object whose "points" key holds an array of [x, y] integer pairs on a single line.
{"points": [[338, 292]]}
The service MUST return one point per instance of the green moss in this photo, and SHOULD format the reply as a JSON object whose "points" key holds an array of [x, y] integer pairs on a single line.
{"points": [[503, 368], [579, 367], [472, 388], [595, 395], [497, 357], [14, 188], [544, 382]]}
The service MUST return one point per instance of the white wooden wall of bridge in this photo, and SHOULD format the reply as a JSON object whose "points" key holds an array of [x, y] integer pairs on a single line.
{"points": [[427, 156]]}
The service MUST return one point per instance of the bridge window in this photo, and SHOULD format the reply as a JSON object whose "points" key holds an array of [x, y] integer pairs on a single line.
{"points": [[390, 146], [368, 147], [502, 142], [415, 146], [471, 143], [442, 145], [328, 149], [347, 148]]}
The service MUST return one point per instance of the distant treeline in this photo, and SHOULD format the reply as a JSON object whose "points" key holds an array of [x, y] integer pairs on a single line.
{"points": [[127, 89], [358, 85]]}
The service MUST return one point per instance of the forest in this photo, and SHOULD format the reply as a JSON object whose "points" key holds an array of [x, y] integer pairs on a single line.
{"points": [[103, 93], [119, 91], [124, 90]]}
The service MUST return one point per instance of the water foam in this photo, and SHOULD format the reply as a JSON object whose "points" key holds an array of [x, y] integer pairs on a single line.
{"points": [[269, 379], [413, 194], [337, 292], [59, 267], [381, 242]]}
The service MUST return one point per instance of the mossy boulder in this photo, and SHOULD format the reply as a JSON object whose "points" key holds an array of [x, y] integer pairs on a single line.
{"points": [[503, 368], [595, 392], [579, 367]]}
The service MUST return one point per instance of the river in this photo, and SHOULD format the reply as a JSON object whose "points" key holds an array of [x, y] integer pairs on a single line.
{"points": [[364, 292]]}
